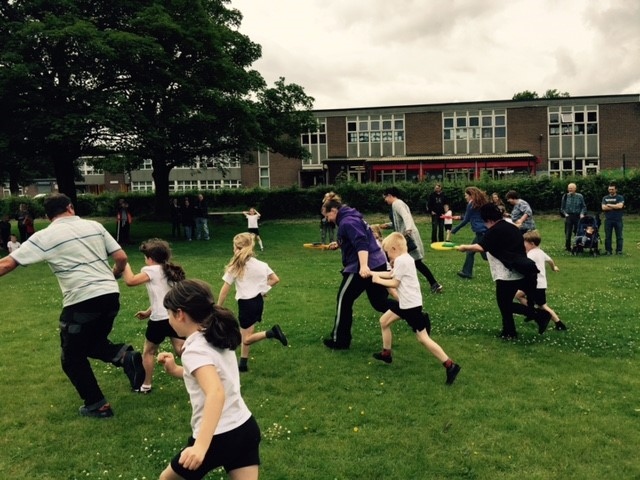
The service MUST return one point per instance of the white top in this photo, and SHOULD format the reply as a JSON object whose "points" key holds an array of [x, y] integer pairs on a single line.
{"points": [[157, 288], [77, 251], [253, 282], [252, 220], [500, 272], [540, 258], [197, 353], [448, 217], [404, 270], [11, 246]]}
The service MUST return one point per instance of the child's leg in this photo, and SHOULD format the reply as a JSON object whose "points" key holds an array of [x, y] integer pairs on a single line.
{"points": [[435, 349], [386, 320], [249, 337], [149, 353], [554, 316], [521, 297], [259, 242], [177, 344]]}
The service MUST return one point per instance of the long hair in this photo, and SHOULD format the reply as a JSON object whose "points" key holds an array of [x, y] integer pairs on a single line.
{"points": [[218, 324], [478, 197], [159, 251], [243, 244]]}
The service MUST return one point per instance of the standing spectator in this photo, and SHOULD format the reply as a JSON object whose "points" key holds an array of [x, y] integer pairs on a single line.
{"points": [[176, 217], [612, 206], [327, 229], [201, 216], [511, 270], [252, 216], [13, 244], [435, 206], [521, 214], [188, 222], [361, 255], [5, 231], [124, 219], [78, 253], [572, 208], [497, 201], [21, 216], [402, 222], [475, 198], [29, 226]]}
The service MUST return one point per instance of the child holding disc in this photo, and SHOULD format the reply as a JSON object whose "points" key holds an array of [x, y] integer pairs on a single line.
{"points": [[158, 274], [224, 432], [404, 277], [253, 279]]}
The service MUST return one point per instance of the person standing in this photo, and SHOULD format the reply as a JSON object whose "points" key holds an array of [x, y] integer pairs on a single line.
{"points": [[188, 222], [124, 219], [572, 208], [361, 255], [253, 216], [402, 222], [176, 217], [201, 216], [21, 216], [5, 231], [475, 198], [612, 206], [435, 206], [78, 252], [521, 214]]}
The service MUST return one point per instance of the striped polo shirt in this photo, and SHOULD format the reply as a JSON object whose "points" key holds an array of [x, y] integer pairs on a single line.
{"points": [[77, 251]]}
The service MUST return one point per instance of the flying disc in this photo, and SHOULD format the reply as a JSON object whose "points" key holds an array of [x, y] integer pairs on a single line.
{"points": [[316, 246], [444, 246]]}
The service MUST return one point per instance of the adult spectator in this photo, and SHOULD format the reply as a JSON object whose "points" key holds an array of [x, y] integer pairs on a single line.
{"points": [[475, 198], [78, 253], [402, 222], [188, 222], [201, 217], [361, 255], [572, 208], [612, 206], [176, 217], [435, 206], [21, 217], [124, 218], [521, 213]]}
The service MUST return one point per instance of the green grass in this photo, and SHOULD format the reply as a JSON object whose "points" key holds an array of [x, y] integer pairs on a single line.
{"points": [[563, 405]]}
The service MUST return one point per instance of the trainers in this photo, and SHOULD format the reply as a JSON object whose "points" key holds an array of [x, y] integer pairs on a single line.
{"points": [[279, 335], [464, 275], [560, 326], [452, 373], [132, 365], [144, 390], [102, 412], [330, 343], [436, 288], [243, 368], [383, 357]]}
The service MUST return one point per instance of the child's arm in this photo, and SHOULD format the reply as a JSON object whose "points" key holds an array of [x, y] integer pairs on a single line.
{"points": [[167, 360], [142, 314], [553, 265], [224, 291], [132, 280], [388, 282], [272, 279]]}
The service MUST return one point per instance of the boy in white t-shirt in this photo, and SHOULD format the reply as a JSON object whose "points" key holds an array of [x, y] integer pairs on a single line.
{"points": [[448, 218], [13, 244], [404, 278]]}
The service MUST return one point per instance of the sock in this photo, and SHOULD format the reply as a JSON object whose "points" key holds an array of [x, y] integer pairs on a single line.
{"points": [[269, 333], [260, 242], [386, 352], [243, 361], [447, 363], [145, 388]]}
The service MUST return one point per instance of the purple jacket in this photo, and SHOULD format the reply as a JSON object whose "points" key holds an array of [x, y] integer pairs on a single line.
{"points": [[355, 235]]}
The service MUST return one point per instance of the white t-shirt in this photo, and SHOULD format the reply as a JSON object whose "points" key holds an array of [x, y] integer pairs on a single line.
{"points": [[252, 220], [404, 270], [12, 246], [448, 217], [77, 251], [540, 258], [253, 282], [157, 288], [500, 272], [198, 353]]}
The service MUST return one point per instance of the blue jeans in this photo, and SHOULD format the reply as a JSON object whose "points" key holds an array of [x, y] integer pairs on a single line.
{"points": [[202, 228], [467, 268], [611, 226]]}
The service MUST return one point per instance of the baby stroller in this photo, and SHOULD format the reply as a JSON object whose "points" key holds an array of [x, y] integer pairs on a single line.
{"points": [[587, 236]]}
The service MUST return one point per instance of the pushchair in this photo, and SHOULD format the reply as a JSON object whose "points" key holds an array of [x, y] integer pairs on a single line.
{"points": [[587, 237]]}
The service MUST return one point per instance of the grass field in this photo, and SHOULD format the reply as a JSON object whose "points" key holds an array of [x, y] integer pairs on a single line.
{"points": [[564, 405]]}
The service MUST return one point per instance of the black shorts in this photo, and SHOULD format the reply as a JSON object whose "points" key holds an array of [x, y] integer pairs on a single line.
{"points": [[250, 311], [255, 231], [448, 226], [158, 330], [540, 296], [235, 449], [413, 316]]}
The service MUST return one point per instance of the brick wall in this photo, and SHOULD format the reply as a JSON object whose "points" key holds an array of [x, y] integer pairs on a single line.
{"points": [[336, 137], [423, 133], [619, 126], [524, 129]]}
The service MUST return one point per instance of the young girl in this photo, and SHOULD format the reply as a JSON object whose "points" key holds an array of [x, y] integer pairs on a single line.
{"points": [[13, 244], [448, 218], [252, 217], [253, 279], [158, 275], [224, 433]]}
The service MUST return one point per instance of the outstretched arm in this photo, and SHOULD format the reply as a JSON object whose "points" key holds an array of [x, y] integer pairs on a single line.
{"points": [[7, 264]]}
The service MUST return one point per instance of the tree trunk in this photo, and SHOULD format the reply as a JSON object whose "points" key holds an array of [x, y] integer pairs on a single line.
{"points": [[161, 178], [65, 171]]}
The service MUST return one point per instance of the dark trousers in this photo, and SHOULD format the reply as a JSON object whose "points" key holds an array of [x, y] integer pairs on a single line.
{"points": [[505, 293], [84, 331], [611, 226], [424, 270], [350, 289], [437, 228], [469, 259], [570, 228]]}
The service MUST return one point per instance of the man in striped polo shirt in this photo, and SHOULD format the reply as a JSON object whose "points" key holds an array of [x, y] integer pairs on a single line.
{"points": [[78, 252]]}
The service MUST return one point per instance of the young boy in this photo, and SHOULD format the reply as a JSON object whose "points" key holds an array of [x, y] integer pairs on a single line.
{"points": [[404, 277], [13, 244], [532, 241]]}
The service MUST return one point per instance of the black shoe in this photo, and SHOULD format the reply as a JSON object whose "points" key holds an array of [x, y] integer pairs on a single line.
{"points": [[243, 368], [543, 321], [102, 412], [452, 373], [436, 288], [330, 343], [132, 365], [384, 358], [278, 334], [464, 275], [560, 326]]}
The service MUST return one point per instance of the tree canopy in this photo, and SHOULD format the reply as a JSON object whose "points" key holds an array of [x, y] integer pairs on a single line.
{"points": [[528, 95]]}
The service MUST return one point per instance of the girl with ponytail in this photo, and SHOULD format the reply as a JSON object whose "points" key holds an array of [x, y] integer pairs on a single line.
{"points": [[224, 432], [158, 274]]}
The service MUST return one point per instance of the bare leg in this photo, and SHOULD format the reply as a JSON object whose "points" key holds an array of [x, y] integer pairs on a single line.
{"points": [[435, 349], [149, 352], [245, 473], [386, 320]]}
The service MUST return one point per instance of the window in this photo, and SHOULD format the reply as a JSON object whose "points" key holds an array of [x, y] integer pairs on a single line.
{"points": [[573, 140], [375, 135], [465, 132], [142, 186], [316, 143]]}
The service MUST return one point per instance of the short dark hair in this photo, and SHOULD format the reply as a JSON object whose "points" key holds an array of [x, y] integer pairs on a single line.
{"points": [[391, 191], [55, 204], [512, 194], [490, 212]]}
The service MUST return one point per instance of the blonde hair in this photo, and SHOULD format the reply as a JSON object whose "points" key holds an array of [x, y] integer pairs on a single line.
{"points": [[243, 244], [331, 196], [396, 240], [532, 236], [377, 232]]}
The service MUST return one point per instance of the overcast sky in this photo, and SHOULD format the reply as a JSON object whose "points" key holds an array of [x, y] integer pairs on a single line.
{"points": [[359, 53]]}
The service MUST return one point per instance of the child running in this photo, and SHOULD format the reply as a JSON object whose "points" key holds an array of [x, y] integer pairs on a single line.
{"points": [[532, 242], [404, 277], [253, 279], [158, 275], [252, 216], [224, 432]]}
